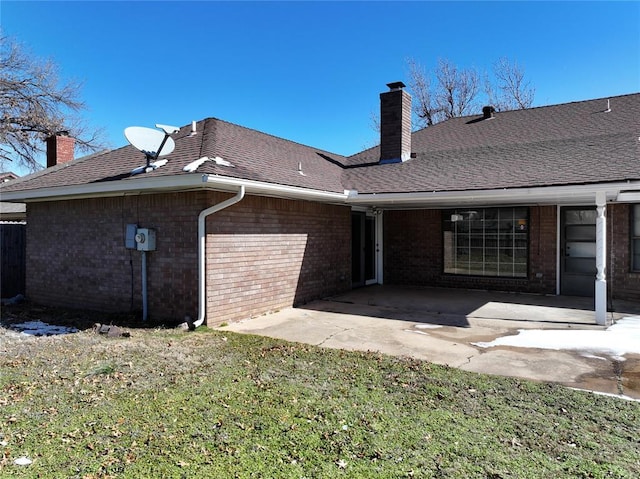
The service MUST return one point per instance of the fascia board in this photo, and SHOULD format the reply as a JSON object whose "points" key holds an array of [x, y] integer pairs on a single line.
{"points": [[171, 183], [575, 194], [620, 192], [272, 189], [103, 189]]}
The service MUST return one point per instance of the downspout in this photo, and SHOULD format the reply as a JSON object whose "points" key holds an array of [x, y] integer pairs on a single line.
{"points": [[202, 249]]}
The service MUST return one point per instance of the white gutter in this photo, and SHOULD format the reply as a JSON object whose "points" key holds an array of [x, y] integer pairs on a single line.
{"points": [[169, 183], [106, 188], [273, 189], [550, 194], [202, 250], [627, 191]]}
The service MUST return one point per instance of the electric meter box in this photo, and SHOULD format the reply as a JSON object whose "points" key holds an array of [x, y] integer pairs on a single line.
{"points": [[146, 239], [130, 236]]}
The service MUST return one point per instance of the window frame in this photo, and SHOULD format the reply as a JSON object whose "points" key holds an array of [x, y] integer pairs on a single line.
{"points": [[446, 222], [634, 237]]}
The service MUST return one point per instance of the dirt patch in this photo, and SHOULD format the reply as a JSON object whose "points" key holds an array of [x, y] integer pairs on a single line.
{"points": [[16, 316], [28, 329], [630, 376]]}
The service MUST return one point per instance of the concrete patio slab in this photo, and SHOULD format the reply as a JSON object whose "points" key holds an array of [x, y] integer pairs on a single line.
{"points": [[444, 326]]}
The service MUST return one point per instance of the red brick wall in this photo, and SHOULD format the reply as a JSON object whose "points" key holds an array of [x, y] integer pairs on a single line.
{"points": [[623, 283], [76, 255], [543, 233], [414, 253], [263, 254], [412, 247]]}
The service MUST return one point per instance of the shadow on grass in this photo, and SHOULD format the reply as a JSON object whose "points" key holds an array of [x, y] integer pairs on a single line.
{"points": [[38, 320]]}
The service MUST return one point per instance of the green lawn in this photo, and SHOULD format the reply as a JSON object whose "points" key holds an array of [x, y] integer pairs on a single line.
{"points": [[166, 404]]}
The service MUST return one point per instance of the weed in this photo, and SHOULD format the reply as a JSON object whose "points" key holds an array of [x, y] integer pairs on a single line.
{"points": [[105, 368]]}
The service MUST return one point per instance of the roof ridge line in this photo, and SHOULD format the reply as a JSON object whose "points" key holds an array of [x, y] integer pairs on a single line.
{"points": [[538, 107], [275, 136], [205, 129]]}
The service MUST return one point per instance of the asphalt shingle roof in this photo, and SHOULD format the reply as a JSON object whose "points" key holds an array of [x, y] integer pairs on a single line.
{"points": [[572, 143], [254, 156], [261, 157]]}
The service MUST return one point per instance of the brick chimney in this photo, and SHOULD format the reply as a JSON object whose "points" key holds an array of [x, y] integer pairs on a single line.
{"points": [[59, 148], [395, 124]]}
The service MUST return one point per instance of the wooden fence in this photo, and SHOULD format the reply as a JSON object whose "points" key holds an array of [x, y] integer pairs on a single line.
{"points": [[13, 258]]}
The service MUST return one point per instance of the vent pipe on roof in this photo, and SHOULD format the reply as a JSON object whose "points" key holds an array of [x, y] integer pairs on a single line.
{"points": [[488, 112], [60, 148], [395, 124]]}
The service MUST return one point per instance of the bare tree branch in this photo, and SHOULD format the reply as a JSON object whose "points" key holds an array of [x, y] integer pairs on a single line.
{"points": [[515, 92], [33, 106], [457, 92], [457, 89], [424, 107]]}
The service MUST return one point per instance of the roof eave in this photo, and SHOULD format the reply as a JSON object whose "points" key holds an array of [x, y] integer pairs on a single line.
{"points": [[261, 188], [107, 188], [171, 183], [627, 191]]}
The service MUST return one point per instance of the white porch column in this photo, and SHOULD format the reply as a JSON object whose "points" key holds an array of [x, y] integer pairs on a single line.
{"points": [[601, 258]]}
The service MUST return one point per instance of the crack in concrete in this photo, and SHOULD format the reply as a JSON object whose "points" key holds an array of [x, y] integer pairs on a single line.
{"points": [[333, 335], [617, 370]]}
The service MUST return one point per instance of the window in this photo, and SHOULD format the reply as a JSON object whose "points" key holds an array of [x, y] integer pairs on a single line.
{"points": [[635, 237], [486, 242]]}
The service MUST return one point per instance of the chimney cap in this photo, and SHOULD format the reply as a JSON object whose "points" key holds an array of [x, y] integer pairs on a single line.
{"points": [[397, 85], [488, 111], [59, 133]]}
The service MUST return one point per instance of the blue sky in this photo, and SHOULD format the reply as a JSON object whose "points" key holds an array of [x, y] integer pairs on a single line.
{"points": [[312, 71]]}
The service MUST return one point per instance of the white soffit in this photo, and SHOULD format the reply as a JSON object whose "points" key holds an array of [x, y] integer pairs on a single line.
{"points": [[551, 195]]}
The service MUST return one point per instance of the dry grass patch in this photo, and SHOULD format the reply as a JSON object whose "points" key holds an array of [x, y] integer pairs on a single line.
{"points": [[164, 403]]}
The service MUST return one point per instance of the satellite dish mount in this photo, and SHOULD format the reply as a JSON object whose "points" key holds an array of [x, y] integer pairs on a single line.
{"points": [[152, 143]]}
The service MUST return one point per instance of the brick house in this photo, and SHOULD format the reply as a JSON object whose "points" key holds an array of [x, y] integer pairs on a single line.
{"points": [[544, 200], [11, 212]]}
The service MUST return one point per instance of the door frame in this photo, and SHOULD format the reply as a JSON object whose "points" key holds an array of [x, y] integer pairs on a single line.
{"points": [[377, 266], [561, 242]]}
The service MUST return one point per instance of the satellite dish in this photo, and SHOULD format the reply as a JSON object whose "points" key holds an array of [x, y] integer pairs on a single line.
{"points": [[149, 141], [152, 143]]}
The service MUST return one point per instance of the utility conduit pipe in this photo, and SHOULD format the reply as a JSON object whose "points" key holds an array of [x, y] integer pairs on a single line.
{"points": [[144, 286], [202, 250]]}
